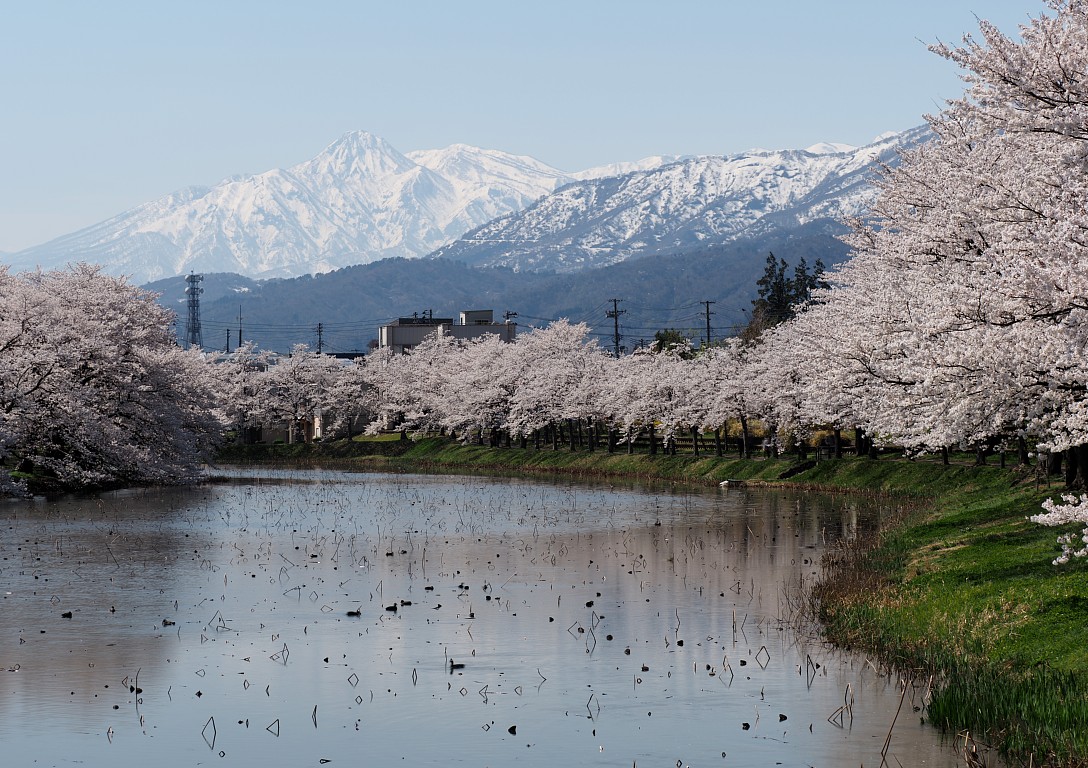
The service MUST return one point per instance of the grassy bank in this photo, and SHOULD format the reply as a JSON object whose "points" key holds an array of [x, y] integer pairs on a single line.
{"points": [[961, 589], [964, 590], [439, 454]]}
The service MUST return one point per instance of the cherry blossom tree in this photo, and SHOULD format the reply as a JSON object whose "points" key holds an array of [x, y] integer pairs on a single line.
{"points": [[992, 220], [960, 318], [388, 378], [353, 398], [474, 395], [300, 390], [727, 387], [239, 384], [557, 363], [93, 388], [653, 392]]}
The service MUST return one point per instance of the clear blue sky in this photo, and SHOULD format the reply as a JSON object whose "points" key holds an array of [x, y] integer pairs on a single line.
{"points": [[109, 104]]}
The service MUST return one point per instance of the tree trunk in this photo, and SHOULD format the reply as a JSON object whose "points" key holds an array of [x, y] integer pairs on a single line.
{"points": [[744, 454], [944, 456], [865, 443], [1022, 451], [1076, 471], [611, 439], [695, 440], [653, 442], [718, 442], [838, 443]]}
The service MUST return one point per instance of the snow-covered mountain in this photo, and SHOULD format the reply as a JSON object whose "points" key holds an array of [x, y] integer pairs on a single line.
{"points": [[689, 204], [358, 201]]}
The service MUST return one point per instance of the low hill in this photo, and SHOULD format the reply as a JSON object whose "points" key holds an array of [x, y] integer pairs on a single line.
{"points": [[655, 292]]}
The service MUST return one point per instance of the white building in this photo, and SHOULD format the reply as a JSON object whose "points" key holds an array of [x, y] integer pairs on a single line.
{"points": [[407, 332]]}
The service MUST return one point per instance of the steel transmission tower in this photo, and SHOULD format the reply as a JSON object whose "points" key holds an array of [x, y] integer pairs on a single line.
{"points": [[193, 336]]}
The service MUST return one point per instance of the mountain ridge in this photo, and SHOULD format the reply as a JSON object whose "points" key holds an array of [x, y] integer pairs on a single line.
{"points": [[656, 292], [688, 204], [361, 200]]}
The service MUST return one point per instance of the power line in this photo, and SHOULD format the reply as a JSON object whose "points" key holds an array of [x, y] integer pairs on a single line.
{"points": [[638, 308]]}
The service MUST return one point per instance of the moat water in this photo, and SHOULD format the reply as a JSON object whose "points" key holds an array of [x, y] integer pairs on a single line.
{"points": [[309, 618]]}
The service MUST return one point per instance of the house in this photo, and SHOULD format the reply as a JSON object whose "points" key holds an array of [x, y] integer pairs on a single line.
{"points": [[407, 332]]}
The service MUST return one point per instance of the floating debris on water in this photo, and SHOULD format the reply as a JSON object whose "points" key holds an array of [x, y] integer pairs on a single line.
{"points": [[287, 556]]}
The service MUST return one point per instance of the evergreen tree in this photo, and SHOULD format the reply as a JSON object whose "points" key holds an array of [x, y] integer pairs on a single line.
{"points": [[672, 340], [780, 297]]}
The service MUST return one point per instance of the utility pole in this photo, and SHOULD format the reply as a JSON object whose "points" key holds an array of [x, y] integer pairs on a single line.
{"points": [[708, 314], [228, 339], [239, 325], [320, 333], [615, 313]]}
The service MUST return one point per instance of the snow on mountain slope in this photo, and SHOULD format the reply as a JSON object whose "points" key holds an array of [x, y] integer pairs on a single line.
{"points": [[361, 200], [358, 201], [692, 203], [476, 173]]}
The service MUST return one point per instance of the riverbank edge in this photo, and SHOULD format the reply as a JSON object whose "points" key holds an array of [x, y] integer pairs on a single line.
{"points": [[961, 589]]}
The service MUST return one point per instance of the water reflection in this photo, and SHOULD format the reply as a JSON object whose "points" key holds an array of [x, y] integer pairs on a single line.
{"points": [[288, 618]]}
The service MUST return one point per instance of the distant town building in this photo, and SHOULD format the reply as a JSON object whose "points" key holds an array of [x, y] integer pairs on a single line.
{"points": [[404, 333]]}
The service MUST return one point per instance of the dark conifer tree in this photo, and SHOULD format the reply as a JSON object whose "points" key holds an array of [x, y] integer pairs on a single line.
{"points": [[779, 297]]}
